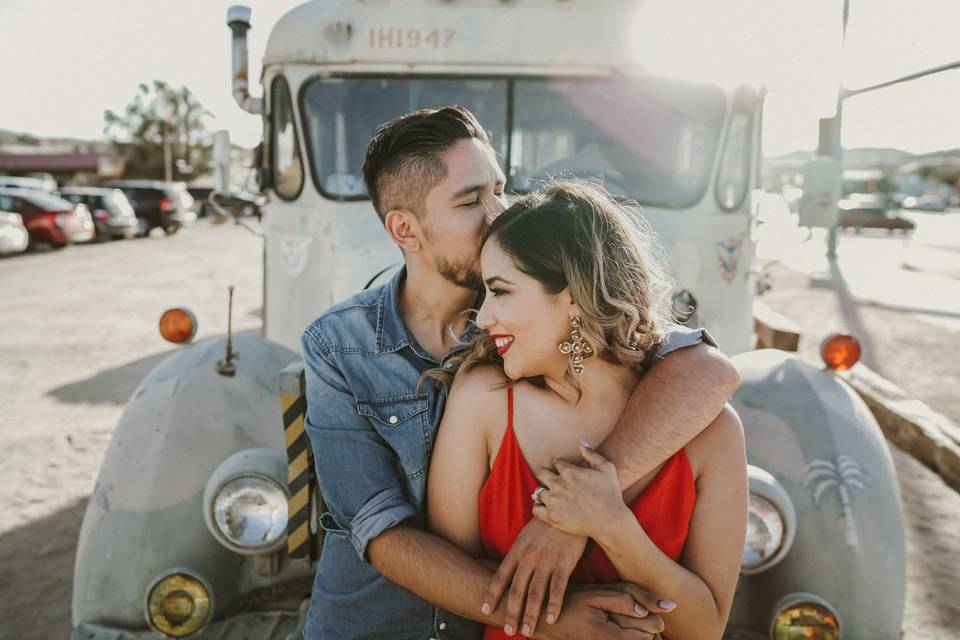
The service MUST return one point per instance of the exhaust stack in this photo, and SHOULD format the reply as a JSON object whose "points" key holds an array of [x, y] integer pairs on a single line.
{"points": [[238, 19]]}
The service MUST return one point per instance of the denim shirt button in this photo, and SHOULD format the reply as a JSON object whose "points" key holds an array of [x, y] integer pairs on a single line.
{"points": [[393, 419], [443, 625]]}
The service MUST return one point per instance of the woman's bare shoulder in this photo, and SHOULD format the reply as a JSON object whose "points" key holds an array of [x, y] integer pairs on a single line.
{"points": [[476, 410], [480, 391], [480, 379], [719, 444]]}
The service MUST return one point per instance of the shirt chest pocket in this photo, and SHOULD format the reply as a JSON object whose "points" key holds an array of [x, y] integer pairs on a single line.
{"points": [[402, 422]]}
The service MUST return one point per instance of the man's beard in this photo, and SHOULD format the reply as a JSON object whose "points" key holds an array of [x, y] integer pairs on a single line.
{"points": [[463, 274]]}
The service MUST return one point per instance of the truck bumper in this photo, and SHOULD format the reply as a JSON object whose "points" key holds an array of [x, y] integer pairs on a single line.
{"points": [[261, 625]]}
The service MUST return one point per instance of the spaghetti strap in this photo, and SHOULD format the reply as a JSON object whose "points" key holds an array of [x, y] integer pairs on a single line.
{"points": [[510, 408]]}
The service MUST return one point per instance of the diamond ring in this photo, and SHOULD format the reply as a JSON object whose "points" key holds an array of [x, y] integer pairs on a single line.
{"points": [[536, 496]]}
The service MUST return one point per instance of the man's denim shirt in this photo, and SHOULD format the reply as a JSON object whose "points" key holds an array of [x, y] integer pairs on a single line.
{"points": [[372, 435]]}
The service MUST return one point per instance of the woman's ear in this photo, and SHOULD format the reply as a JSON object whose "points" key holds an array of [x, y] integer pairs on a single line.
{"points": [[404, 229], [566, 298]]}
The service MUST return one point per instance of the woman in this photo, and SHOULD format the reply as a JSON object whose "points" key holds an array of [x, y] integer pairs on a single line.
{"points": [[572, 316]]}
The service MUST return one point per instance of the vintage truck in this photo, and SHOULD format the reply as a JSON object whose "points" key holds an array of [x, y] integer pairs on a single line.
{"points": [[204, 519]]}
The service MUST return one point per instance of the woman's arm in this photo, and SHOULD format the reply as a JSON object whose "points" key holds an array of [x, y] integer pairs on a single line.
{"points": [[702, 584], [460, 462]]}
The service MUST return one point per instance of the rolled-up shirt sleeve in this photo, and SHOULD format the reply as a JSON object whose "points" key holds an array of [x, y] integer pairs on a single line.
{"points": [[356, 469], [679, 337]]}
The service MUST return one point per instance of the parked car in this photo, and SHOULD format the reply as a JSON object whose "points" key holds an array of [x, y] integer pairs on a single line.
{"points": [[928, 202], [241, 203], [167, 205], [871, 202], [200, 196], [870, 211], [18, 182], [14, 237], [49, 218], [238, 203], [112, 213]]}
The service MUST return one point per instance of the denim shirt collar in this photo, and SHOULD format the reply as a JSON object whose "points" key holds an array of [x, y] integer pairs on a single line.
{"points": [[392, 332]]}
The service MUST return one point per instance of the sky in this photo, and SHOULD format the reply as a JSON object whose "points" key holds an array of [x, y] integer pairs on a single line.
{"points": [[63, 63]]}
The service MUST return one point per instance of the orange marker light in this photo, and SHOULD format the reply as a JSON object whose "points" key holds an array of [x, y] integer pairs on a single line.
{"points": [[178, 325], [840, 351]]}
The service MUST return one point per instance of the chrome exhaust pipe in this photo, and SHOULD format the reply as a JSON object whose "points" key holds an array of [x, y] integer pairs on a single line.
{"points": [[238, 19]]}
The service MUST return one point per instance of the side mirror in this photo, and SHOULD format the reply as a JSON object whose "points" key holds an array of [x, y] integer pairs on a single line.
{"points": [[822, 180]]}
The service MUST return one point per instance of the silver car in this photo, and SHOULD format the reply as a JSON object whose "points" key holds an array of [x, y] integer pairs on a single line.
{"points": [[112, 213]]}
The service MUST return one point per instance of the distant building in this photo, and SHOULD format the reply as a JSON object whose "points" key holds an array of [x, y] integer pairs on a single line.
{"points": [[63, 166], [68, 160], [943, 166], [885, 169], [81, 162]]}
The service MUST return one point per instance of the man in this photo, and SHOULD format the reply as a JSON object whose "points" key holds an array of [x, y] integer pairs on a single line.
{"points": [[435, 183]]}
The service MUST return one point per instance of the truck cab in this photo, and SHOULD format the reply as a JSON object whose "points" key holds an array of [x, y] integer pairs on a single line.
{"points": [[561, 92]]}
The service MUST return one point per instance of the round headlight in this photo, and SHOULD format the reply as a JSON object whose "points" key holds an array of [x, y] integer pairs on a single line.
{"points": [[178, 604], [771, 523], [804, 617], [764, 533], [251, 513]]}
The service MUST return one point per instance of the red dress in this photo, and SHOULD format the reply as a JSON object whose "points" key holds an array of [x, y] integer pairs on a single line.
{"points": [[663, 509]]}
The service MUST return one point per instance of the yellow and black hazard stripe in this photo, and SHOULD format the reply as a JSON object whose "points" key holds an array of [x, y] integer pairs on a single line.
{"points": [[301, 479]]}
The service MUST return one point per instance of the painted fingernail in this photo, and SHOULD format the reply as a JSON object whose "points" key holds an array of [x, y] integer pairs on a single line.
{"points": [[507, 629], [585, 443], [486, 609], [669, 605], [526, 631], [640, 611], [551, 618]]}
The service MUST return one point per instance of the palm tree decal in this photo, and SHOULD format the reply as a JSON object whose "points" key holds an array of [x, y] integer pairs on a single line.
{"points": [[844, 475]]}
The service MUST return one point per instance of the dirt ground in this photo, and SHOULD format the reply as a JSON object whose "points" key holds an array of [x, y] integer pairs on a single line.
{"points": [[79, 332], [899, 297]]}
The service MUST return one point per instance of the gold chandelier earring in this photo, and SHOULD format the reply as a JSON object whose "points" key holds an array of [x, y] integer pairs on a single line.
{"points": [[576, 348]]}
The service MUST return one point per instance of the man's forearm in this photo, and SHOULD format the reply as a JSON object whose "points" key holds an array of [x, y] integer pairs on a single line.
{"points": [[675, 401], [435, 570], [447, 577]]}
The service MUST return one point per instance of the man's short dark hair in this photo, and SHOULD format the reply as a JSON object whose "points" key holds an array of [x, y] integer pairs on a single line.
{"points": [[403, 162]]}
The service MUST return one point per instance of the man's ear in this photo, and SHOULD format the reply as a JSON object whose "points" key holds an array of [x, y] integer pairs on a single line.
{"points": [[404, 229]]}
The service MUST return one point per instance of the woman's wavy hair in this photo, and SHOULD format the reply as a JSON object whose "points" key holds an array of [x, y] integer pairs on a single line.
{"points": [[573, 234]]}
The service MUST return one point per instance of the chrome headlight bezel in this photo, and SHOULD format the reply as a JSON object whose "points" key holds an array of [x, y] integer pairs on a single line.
{"points": [[764, 486], [264, 465]]}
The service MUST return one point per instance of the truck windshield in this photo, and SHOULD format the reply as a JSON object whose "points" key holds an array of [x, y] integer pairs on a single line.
{"points": [[648, 139], [342, 114], [651, 140]]}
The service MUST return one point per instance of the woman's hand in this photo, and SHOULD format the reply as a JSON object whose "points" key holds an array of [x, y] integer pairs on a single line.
{"points": [[581, 500]]}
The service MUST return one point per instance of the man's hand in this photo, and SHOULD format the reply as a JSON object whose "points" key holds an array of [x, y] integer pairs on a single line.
{"points": [[541, 559], [621, 611]]}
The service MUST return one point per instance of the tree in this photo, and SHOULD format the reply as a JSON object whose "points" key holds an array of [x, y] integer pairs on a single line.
{"points": [[161, 113]]}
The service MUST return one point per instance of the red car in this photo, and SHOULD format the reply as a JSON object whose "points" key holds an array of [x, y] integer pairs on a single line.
{"points": [[49, 218]]}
